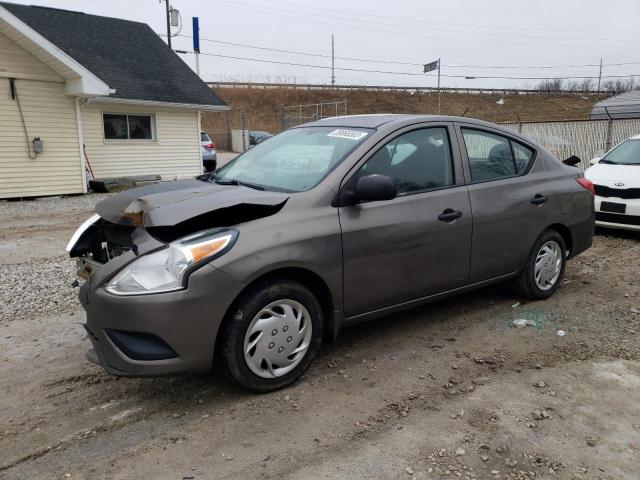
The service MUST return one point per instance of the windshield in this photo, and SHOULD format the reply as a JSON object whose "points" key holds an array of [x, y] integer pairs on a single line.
{"points": [[627, 153], [293, 161]]}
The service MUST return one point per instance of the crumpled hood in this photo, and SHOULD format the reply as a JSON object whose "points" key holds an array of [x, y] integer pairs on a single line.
{"points": [[169, 203]]}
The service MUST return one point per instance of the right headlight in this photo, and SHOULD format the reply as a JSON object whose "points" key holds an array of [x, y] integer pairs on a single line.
{"points": [[166, 270]]}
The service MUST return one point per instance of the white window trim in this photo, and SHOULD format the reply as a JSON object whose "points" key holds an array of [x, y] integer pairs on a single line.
{"points": [[154, 134]]}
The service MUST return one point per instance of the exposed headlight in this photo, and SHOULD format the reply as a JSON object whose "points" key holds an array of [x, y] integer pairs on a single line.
{"points": [[166, 270]]}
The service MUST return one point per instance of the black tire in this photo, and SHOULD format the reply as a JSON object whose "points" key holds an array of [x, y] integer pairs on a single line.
{"points": [[526, 284], [238, 320]]}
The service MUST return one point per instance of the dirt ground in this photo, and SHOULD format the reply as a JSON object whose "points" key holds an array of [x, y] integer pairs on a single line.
{"points": [[448, 390]]}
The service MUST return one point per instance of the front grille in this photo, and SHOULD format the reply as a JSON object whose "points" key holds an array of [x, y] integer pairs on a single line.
{"points": [[616, 218], [628, 193]]}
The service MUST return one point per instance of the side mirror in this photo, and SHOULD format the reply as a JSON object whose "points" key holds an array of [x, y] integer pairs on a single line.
{"points": [[572, 160], [594, 161], [374, 188]]}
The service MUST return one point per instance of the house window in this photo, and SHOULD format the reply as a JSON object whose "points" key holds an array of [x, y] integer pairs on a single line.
{"points": [[119, 126]]}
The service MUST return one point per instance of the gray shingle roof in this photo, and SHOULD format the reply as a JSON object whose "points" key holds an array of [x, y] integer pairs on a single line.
{"points": [[128, 56]]}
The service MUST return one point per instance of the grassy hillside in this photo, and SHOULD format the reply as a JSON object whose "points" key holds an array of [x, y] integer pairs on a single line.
{"points": [[262, 106]]}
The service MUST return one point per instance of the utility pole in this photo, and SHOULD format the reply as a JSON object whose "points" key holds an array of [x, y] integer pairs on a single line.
{"points": [[168, 22], [333, 62], [600, 75]]}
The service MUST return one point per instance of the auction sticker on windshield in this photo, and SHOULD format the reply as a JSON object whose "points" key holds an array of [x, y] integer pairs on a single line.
{"points": [[348, 134]]}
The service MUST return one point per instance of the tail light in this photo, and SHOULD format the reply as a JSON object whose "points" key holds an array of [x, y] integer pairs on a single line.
{"points": [[586, 184], [210, 145]]}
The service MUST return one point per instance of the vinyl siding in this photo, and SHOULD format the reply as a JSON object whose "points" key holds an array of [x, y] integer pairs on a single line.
{"points": [[50, 115], [36, 53], [15, 62], [174, 153]]}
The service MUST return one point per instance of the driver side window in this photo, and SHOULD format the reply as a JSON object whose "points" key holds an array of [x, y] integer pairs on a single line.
{"points": [[416, 161]]}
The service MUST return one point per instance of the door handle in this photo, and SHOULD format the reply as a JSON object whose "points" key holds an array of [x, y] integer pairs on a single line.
{"points": [[449, 215], [538, 199]]}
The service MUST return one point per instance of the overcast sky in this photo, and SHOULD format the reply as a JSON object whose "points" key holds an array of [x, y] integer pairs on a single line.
{"points": [[469, 36]]}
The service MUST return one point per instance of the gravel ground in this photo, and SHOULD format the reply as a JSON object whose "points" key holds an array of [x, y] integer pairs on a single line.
{"points": [[51, 205], [30, 284], [42, 287]]}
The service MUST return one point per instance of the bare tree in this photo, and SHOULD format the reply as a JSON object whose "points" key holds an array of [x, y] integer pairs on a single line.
{"points": [[620, 85], [550, 85]]}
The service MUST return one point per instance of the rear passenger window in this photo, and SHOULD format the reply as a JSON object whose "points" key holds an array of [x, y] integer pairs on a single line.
{"points": [[489, 155], [523, 156]]}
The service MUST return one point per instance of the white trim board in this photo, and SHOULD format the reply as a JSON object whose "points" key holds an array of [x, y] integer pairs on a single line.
{"points": [[81, 82], [151, 103]]}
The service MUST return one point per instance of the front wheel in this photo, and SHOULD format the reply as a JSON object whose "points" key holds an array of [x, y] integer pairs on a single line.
{"points": [[544, 268], [271, 335]]}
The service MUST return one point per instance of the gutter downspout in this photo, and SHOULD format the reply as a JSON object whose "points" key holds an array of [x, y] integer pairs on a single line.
{"points": [[199, 122], [83, 165]]}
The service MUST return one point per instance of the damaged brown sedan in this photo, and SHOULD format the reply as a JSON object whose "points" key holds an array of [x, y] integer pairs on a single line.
{"points": [[319, 227]]}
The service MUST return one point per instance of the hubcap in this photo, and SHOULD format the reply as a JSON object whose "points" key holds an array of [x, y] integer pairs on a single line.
{"points": [[277, 338], [548, 265]]}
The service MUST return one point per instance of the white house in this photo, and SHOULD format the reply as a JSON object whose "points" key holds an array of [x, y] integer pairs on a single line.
{"points": [[69, 79]]}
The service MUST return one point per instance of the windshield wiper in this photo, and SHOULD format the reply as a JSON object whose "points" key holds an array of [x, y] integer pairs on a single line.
{"points": [[604, 160], [233, 181], [207, 177]]}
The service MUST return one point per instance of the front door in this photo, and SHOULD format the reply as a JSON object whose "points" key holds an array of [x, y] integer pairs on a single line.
{"points": [[417, 244]]}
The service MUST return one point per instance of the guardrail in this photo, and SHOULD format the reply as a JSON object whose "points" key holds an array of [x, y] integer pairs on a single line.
{"points": [[390, 88]]}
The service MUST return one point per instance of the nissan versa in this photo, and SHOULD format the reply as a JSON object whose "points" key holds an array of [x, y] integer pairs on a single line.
{"points": [[325, 225]]}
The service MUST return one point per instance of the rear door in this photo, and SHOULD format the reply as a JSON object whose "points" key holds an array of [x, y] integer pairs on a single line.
{"points": [[510, 199], [418, 243]]}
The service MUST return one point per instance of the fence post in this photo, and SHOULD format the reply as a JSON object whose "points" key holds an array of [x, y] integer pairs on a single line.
{"points": [[282, 126], [228, 130], [519, 123], [245, 133], [607, 142]]}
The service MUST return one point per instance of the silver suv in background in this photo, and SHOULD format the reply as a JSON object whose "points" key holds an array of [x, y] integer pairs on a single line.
{"points": [[208, 152], [323, 226]]}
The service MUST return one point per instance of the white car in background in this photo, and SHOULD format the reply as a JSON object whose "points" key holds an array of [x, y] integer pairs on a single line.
{"points": [[616, 180]]}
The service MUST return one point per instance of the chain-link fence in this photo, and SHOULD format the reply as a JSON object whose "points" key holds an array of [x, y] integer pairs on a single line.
{"points": [[586, 139], [238, 130], [293, 115]]}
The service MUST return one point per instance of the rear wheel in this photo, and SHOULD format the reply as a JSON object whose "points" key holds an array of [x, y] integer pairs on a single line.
{"points": [[272, 335], [544, 269]]}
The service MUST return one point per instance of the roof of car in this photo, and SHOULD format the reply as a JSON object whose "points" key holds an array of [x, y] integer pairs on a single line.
{"points": [[377, 120], [128, 56]]}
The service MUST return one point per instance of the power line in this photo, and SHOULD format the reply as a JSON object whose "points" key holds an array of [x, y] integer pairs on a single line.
{"points": [[308, 65], [346, 69], [371, 60], [544, 66], [270, 11], [308, 54], [422, 21], [386, 22]]}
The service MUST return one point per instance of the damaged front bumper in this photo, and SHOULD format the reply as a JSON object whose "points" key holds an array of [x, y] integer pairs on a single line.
{"points": [[153, 334], [158, 334]]}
